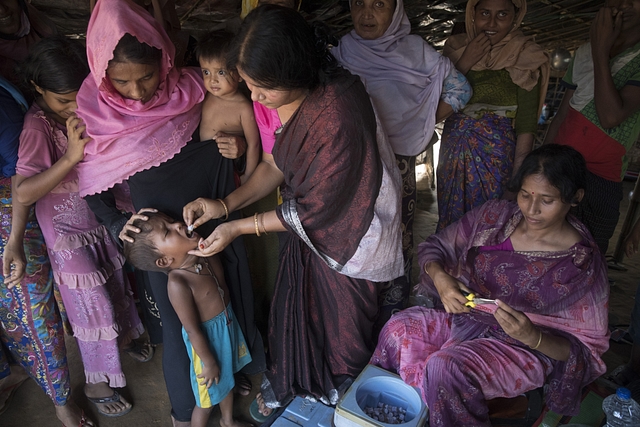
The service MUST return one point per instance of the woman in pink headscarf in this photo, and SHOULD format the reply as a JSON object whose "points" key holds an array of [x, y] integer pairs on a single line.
{"points": [[143, 115], [412, 87], [159, 110]]}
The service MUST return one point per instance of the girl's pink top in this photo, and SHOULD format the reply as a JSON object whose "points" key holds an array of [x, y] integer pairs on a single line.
{"points": [[130, 136]]}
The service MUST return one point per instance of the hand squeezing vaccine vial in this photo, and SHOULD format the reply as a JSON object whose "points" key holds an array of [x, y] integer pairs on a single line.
{"points": [[190, 230]]}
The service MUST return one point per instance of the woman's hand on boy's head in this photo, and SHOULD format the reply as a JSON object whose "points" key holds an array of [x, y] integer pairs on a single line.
{"points": [[129, 227], [76, 143], [605, 29], [230, 146]]}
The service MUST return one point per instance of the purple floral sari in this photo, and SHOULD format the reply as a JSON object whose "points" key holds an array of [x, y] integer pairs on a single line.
{"points": [[476, 160], [459, 361]]}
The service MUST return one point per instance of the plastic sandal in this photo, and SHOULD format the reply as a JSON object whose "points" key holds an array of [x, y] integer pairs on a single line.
{"points": [[115, 397]]}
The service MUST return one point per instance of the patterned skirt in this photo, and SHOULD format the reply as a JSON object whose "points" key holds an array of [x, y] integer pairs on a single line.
{"points": [[476, 161], [31, 330]]}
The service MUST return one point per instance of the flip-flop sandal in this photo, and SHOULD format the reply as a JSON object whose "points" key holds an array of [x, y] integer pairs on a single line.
{"points": [[256, 415], [135, 351], [10, 392], [115, 397]]}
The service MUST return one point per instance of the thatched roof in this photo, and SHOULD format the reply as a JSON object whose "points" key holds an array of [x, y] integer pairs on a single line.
{"points": [[554, 23]]}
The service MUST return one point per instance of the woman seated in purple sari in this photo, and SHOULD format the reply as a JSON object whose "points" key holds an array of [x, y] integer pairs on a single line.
{"points": [[548, 325]]}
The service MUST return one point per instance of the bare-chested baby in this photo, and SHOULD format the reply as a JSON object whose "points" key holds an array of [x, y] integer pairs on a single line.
{"points": [[225, 110]]}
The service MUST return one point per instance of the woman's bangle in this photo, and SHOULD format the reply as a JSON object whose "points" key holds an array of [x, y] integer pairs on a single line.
{"points": [[539, 341], [264, 229], [255, 221], [226, 210]]}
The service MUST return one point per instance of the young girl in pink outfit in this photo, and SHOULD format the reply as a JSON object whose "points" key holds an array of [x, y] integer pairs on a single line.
{"points": [[87, 265]]}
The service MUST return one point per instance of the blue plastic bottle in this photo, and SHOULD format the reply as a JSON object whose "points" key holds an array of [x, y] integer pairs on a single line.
{"points": [[621, 410]]}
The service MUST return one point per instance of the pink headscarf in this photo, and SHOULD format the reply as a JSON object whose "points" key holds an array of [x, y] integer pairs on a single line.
{"points": [[130, 136], [404, 77]]}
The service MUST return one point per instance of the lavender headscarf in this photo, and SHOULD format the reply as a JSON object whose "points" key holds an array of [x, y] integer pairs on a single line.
{"points": [[404, 77]]}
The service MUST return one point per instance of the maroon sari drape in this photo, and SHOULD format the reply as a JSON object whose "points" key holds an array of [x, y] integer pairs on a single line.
{"points": [[320, 328]]}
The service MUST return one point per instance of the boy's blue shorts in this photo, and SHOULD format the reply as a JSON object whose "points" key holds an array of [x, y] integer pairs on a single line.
{"points": [[228, 346]]}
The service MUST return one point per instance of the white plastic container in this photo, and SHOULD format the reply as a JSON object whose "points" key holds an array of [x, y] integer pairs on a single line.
{"points": [[375, 385]]}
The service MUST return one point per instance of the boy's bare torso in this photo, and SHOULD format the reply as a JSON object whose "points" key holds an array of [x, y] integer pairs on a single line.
{"points": [[203, 287]]}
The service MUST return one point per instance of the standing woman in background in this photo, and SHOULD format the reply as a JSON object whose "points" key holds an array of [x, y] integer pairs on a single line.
{"points": [[600, 112], [483, 145], [412, 87]]}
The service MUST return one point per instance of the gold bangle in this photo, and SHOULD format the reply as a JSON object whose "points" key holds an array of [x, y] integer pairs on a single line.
{"points": [[226, 210], [539, 341], [255, 221], [264, 229]]}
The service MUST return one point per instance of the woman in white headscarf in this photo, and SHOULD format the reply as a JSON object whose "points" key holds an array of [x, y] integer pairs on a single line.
{"points": [[484, 144], [412, 87]]}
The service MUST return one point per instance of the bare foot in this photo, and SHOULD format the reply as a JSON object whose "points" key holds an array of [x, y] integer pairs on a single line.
{"points": [[108, 401], [180, 423], [72, 416], [262, 408], [10, 383], [243, 384]]}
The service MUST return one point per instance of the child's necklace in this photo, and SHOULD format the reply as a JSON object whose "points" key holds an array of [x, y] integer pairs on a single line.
{"points": [[198, 268]]}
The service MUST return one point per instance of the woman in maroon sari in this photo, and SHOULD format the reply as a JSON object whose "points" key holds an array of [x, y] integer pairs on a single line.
{"points": [[341, 210], [548, 325]]}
